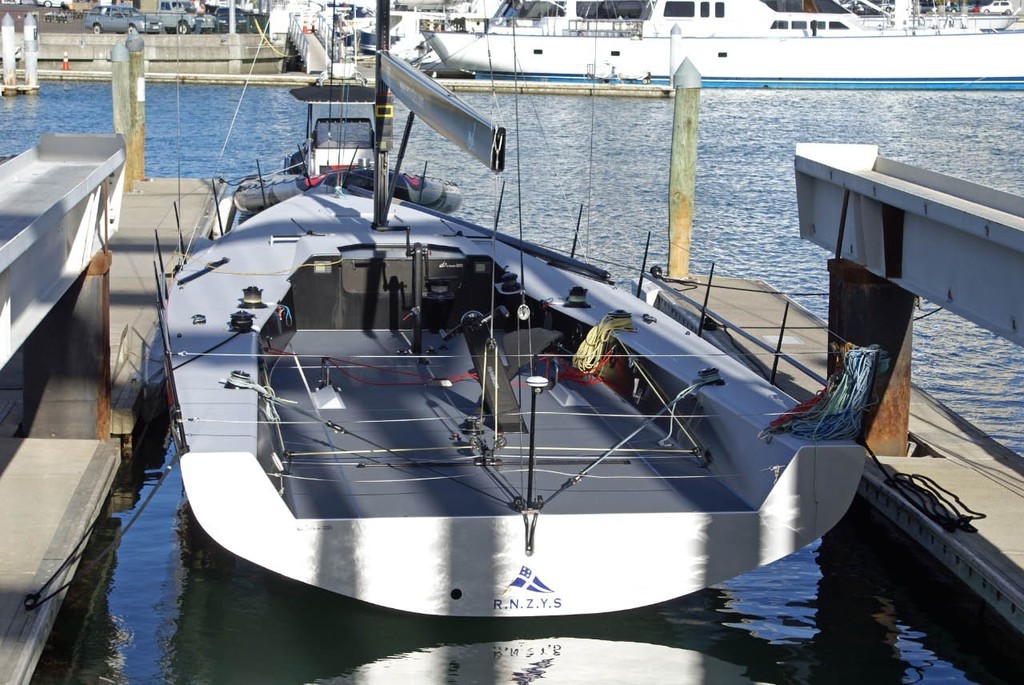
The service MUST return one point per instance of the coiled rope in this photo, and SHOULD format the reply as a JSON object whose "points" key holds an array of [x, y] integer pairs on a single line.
{"points": [[588, 356], [837, 412]]}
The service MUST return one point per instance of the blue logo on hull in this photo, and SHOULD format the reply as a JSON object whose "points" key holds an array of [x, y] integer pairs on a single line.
{"points": [[527, 582]]}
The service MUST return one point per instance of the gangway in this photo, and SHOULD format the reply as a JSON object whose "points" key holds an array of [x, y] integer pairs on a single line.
{"points": [[59, 205], [958, 244], [320, 50]]}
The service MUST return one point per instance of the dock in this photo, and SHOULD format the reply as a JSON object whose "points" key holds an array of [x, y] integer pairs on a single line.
{"points": [[744, 317], [52, 490]]}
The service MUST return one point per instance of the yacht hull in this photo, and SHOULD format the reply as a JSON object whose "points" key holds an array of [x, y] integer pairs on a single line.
{"points": [[478, 566], [861, 61]]}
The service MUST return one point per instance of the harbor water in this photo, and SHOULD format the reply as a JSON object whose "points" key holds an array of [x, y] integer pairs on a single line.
{"points": [[165, 606]]}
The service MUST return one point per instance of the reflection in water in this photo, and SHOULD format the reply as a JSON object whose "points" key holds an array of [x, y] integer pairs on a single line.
{"points": [[554, 659]]}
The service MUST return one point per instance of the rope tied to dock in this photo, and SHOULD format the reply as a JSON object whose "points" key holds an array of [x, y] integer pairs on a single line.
{"points": [[931, 499], [34, 600], [837, 411]]}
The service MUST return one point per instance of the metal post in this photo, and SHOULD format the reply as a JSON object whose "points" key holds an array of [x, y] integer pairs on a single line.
{"points": [[675, 52], [7, 37], [418, 259], [683, 168], [576, 234], [643, 266], [31, 51], [866, 309], [778, 347], [707, 296], [537, 385]]}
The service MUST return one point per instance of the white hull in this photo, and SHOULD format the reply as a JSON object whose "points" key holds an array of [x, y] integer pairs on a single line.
{"points": [[587, 563], [855, 61]]}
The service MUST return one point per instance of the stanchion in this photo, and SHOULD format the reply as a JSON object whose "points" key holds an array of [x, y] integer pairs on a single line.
{"points": [[65, 66]]}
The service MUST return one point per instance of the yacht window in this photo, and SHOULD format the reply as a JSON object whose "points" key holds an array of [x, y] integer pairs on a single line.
{"points": [[799, 25], [720, 10], [819, 24], [680, 9], [613, 9], [837, 25], [705, 9], [778, 24], [616, 53], [541, 8], [348, 133]]}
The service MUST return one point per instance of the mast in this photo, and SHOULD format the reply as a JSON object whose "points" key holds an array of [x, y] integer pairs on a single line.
{"points": [[383, 119]]}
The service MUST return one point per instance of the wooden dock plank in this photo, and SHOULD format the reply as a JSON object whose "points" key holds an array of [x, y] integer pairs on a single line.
{"points": [[146, 212]]}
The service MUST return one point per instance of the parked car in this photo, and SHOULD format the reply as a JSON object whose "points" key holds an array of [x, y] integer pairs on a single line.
{"points": [[998, 7], [120, 19], [180, 16], [244, 21]]}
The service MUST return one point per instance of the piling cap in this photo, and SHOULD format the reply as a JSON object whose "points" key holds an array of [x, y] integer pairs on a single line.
{"points": [[8, 21], [30, 19], [134, 43], [119, 53], [686, 75]]}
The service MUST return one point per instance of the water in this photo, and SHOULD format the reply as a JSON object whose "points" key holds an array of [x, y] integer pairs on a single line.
{"points": [[163, 608]]}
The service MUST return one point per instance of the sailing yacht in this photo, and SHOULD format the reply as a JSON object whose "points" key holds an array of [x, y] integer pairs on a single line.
{"points": [[414, 411]]}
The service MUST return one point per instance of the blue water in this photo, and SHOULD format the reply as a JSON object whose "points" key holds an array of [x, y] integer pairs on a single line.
{"points": [[162, 609]]}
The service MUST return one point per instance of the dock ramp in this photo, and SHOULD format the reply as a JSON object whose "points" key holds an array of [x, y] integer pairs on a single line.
{"points": [[59, 205], [956, 243]]}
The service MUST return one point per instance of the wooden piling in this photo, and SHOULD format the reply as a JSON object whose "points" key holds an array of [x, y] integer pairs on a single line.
{"points": [[135, 162], [121, 96], [128, 90], [683, 168]]}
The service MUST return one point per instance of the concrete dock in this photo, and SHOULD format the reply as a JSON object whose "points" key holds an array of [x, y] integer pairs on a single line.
{"points": [[51, 491], [987, 476]]}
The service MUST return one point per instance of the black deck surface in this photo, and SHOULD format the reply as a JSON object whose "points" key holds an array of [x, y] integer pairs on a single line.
{"points": [[403, 452]]}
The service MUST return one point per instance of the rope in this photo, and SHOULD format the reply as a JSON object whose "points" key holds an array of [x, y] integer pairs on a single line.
{"points": [[34, 600], [836, 412], [589, 354], [930, 498]]}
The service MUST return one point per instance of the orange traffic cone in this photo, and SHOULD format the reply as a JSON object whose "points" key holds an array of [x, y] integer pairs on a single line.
{"points": [[64, 65]]}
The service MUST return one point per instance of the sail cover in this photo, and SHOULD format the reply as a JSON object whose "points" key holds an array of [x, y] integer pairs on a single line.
{"points": [[445, 113]]}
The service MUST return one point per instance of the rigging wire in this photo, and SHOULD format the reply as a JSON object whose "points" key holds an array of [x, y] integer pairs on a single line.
{"points": [[227, 136]]}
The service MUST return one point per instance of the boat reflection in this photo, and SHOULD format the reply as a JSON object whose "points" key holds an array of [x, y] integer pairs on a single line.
{"points": [[555, 659]]}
